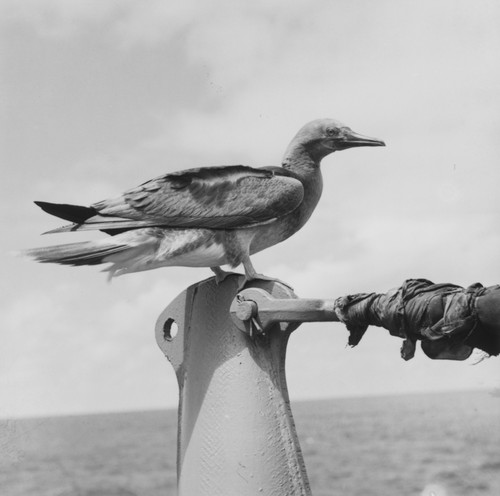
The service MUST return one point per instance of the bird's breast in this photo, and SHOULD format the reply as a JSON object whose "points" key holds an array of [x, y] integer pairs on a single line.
{"points": [[281, 229]]}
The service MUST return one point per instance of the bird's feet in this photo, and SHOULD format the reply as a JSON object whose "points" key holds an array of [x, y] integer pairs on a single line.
{"points": [[220, 274]]}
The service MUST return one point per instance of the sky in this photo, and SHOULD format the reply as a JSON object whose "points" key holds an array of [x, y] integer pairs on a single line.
{"points": [[99, 96]]}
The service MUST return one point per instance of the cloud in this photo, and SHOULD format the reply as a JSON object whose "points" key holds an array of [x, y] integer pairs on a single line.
{"points": [[282, 62], [59, 18], [66, 349], [270, 69], [422, 76]]}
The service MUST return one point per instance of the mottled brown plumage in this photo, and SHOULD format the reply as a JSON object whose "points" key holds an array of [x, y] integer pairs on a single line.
{"points": [[205, 217]]}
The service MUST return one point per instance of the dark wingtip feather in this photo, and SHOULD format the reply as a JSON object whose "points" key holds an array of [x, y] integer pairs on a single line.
{"points": [[74, 213]]}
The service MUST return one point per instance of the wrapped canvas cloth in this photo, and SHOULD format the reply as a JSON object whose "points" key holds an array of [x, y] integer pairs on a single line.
{"points": [[449, 320]]}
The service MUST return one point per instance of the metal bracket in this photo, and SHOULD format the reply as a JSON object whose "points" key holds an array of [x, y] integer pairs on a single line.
{"points": [[254, 311], [236, 433]]}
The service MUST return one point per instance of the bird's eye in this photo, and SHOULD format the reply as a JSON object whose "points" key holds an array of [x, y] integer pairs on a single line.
{"points": [[332, 131]]}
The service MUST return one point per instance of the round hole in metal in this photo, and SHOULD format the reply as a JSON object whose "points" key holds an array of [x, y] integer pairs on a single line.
{"points": [[170, 329]]}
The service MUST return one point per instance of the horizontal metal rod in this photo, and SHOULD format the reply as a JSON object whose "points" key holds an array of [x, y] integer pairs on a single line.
{"points": [[255, 310], [298, 310]]}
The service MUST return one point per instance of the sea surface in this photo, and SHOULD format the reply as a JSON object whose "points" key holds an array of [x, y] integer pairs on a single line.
{"points": [[445, 444]]}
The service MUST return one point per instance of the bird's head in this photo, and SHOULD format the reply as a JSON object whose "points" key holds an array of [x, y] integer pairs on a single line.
{"points": [[321, 137]]}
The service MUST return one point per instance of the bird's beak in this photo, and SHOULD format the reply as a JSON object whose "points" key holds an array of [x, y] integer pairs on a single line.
{"points": [[350, 139]]}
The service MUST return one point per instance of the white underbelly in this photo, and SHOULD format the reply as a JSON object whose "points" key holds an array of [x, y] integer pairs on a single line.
{"points": [[203, 256]]}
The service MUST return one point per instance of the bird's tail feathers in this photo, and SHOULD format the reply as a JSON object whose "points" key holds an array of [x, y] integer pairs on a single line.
{"points": [[83, 253]]}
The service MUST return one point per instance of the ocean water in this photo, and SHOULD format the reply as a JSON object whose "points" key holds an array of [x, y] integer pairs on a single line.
{"points": [[408, 445]]}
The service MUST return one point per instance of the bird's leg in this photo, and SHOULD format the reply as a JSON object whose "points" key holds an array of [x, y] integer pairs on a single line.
{"points": [[251, 274], [220, 274]]}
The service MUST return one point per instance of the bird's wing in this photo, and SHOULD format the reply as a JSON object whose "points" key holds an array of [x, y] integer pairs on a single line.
{"points": [[212, 197]]}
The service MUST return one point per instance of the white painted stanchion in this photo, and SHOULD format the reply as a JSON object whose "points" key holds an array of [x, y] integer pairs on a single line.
{"points": [[236, 435]]}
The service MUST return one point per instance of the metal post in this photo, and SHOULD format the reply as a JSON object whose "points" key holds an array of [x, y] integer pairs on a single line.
{"points": [[236, 434]]}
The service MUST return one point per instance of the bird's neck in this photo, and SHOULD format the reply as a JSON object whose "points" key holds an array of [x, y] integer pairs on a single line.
{"points": [[301, 163], [299, 160], [307, 169]]}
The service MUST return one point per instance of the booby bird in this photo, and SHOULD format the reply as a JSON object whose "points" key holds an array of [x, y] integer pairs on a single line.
{"points": [[204, 217]]}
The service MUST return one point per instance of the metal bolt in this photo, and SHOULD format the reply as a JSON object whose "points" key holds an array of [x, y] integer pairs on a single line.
{"points": [[246, 309]]}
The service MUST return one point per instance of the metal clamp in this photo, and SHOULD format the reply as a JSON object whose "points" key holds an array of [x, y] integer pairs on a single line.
{"points": [[254, 311]]}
